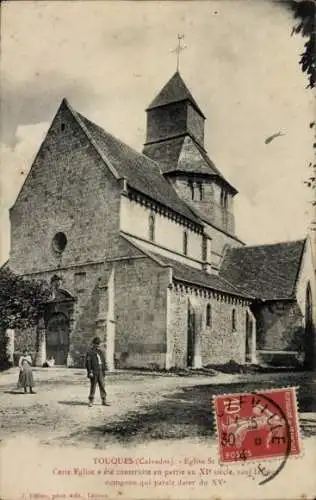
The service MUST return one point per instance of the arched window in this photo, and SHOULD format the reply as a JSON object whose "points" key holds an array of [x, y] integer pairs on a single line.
{"points": [[152, 227], [185, 243], [208, 315], [234, 320]]}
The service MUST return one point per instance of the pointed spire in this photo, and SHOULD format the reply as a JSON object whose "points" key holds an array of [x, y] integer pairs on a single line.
{"points": [[175, 90]]}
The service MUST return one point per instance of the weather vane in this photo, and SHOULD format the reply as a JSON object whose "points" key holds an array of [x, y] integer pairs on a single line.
{"points": [[179, 49]]}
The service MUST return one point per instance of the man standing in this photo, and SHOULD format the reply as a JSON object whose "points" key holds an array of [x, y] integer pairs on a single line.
{"points": [[96, 367]]}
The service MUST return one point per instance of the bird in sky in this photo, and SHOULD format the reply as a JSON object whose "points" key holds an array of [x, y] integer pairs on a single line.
{"points": [[272, 137]]}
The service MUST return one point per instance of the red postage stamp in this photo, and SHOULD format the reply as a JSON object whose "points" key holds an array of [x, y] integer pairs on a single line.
{"points": [[257, 425]]}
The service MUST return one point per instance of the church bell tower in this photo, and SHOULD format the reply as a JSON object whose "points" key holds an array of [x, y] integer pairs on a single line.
{"points": [[175, 140], [174, 113]]}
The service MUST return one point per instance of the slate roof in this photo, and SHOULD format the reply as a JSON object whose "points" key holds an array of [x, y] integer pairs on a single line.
{"points": [[141, 173], [183, 154], [186, 273], [267, 272], [189, 274], [175, 90], [166, 152]]}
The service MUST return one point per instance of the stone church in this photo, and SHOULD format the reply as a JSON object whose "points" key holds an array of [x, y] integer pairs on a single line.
{"points": [[141, 249]]}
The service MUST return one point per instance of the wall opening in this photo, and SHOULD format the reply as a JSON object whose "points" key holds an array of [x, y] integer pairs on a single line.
{"points": [[185, 243], [59, 242], [191, 335], [57, 338], [208, 315], [151, 227], [249, 339], [234, 320]]}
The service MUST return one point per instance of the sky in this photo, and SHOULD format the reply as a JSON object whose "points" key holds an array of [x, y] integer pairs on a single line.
{"points": [[110, 59]]}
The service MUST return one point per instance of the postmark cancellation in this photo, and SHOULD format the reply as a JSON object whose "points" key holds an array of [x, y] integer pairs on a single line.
{"points": [[257, 425]]}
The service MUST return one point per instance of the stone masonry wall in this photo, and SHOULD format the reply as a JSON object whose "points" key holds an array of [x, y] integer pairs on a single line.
{"points": [[306, 279], [280, 327], [140, 311], [210, 204], [82, 282], [219, 344], [68, 190], [220, 239], [134, 219]]}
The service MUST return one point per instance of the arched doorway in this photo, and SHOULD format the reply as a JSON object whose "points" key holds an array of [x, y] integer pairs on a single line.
{"points": [[57, 338], [58, 315], [309, 330]]}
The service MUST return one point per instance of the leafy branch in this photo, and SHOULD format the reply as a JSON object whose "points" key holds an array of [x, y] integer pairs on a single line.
{"points": [[304, 12]]}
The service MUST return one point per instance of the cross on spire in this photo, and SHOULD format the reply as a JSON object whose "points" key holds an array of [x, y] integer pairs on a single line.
{"points": [[179, 49]]}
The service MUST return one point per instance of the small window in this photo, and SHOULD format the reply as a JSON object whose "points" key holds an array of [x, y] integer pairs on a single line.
{"points": [[59, 242], [204, 248], [201, 191], [224, 198], [185, 243], [191, 186], [152, 227], [208, 315], [234, 320]]}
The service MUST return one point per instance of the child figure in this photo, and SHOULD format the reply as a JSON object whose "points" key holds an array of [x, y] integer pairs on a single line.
{"points": [[49, 363]]}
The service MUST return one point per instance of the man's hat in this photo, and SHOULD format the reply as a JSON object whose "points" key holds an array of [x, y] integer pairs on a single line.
{"points": [[96, 341]]}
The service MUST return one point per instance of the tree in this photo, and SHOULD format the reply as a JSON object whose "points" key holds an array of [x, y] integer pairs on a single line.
{"points": [[304, 12], [21, 305]]}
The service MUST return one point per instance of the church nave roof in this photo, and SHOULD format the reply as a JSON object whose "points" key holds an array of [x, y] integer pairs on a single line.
{"points": [[141, 173]]}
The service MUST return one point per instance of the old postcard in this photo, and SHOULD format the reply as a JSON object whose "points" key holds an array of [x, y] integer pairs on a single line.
{"points": [[157, 279]]}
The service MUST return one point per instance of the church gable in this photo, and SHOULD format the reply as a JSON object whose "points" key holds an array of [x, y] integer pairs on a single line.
{"points": [[67, 210], [191, 159]]}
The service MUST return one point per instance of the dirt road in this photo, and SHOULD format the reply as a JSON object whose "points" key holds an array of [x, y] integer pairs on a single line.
{"points": [[144, 406]]}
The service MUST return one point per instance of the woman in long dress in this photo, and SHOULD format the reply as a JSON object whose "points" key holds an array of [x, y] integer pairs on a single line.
{"points": [[26, 374]]}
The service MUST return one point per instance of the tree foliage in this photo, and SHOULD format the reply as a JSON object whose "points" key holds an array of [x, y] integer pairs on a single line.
{"points": [[21, 300], [304, 12], [21, 304]]}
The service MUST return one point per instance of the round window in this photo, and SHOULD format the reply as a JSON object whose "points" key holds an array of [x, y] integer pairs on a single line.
{"points": [[59, 242]]}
